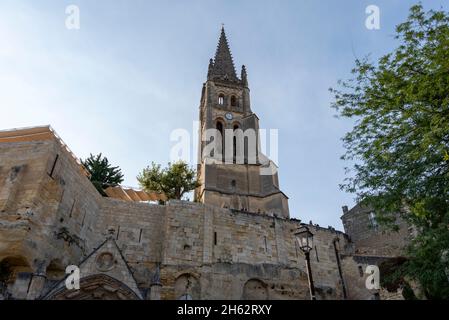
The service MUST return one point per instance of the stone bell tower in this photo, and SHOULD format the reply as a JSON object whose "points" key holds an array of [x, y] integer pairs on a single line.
{"points": [[231, 169]]}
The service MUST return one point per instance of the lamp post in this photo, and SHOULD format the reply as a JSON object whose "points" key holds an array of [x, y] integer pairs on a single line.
{"points": [[305, 241]]}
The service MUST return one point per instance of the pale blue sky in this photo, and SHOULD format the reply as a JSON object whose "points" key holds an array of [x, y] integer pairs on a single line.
{"points": [[134, 71]]}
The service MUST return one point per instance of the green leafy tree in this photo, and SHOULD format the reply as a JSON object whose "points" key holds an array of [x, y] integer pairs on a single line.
{"points": [[175, 181], [102, 173], [398, 149]]}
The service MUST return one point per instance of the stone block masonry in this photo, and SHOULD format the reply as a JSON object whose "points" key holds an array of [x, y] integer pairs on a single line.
{"points": [[52, 216]]}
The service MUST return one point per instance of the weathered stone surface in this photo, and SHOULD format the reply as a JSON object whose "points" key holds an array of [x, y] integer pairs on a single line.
{"points": [[371, 239], [222, 249]]}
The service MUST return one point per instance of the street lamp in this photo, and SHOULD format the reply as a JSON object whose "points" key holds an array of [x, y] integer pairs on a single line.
{"points": [[305, 241]]}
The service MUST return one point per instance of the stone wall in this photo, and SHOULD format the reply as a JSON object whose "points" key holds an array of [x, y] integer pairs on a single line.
{"points": [[220, 248], [139, 228], [48, 211], [370, 244], [225, 249], [55, 217], [372, 239]]}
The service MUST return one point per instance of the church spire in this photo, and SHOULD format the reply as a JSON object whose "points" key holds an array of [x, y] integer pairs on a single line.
{"points": [[223, 66]]}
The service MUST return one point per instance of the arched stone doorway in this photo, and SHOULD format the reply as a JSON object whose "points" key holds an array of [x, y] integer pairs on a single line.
{"points": [[15, 276], [96, 287]]}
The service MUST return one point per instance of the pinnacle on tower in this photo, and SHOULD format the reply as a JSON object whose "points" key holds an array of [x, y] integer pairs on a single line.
{"points": [[223, 66], [244, 76]]}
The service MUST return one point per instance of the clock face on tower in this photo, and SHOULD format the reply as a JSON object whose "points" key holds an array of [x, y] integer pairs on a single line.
{"points": [[228, 116]]}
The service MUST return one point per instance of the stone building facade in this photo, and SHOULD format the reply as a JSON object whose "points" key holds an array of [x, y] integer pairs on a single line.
{"points": [[373, 244], [235, 242], [370, 238]]}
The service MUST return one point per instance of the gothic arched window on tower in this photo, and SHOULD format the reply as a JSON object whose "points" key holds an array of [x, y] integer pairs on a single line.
{"points": [[221, 99], [234, 144], [220, 148], [246, 147], [233, 101]]}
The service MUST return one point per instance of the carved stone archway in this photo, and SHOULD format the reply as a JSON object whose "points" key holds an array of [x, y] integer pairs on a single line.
{"points": [[96, 287]]}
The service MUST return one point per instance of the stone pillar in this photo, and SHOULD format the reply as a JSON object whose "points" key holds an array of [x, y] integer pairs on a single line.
{"points": [[36, 286], [155, 286], [38, 279], [155, 291]]}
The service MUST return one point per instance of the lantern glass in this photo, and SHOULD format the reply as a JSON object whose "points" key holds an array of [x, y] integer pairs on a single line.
{"points": [[304, 238]]}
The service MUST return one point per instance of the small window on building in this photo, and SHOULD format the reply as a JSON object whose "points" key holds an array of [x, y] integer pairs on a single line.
{"points": [[360, 271], [52, 171], [221, 99], [372, 220], [233, 101]]}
